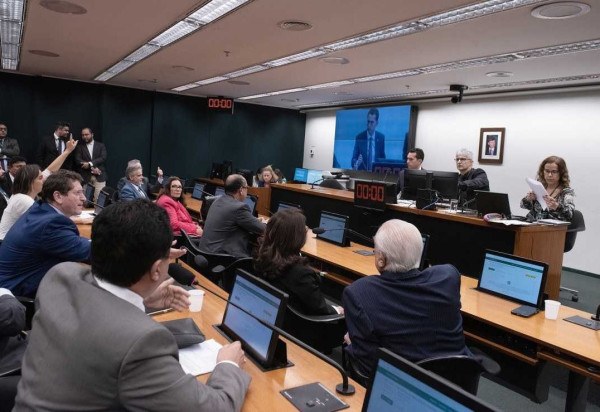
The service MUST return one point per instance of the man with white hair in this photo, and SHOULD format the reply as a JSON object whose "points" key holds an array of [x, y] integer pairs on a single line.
{"points": [[413, 313], [470, 178]]}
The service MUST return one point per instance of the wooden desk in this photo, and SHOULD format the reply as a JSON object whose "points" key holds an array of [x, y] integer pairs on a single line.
{"points": [[263, 205], [456, 239], [264, 389]]}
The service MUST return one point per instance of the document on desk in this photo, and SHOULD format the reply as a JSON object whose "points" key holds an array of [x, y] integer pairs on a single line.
{"points": [[510, 222], [201, 358], [539, 190]]}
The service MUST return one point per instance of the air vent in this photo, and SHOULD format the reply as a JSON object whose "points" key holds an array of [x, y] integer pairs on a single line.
{"points": [[295, 25], [64, 7]]}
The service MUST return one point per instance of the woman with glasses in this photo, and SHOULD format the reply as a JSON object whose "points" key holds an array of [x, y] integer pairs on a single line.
{"points": [[171, 199], [280, 262], [560, 198]]}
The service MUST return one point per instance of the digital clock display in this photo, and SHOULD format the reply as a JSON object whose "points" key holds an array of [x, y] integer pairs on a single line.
{"points": [[220, 104], [373, 195]]}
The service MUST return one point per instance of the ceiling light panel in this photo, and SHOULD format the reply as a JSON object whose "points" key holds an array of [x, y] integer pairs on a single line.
{"points": [[186, 87], [244, 72], [143, 52], [309, 54], [10, 51], [12, 9], [10, 31], [214, 10], [174, 33], [9, 64]]}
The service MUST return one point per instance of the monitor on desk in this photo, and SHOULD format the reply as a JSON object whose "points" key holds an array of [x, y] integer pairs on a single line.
{"points": [[101, 202], [336, 228], [514, 278], [251, 201], [198, 192], [89, 192], [263, 301], [445, 184], [414, 180], [285, 205], [400, 385], [313, 176], [300, 175], [219, 191], [492, 202]]}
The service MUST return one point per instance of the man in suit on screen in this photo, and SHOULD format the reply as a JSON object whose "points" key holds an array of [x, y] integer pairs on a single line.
{"points": [[369, 146]]}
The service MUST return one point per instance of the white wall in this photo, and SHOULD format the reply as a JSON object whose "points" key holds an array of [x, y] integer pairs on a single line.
{"points": [[562, 124]]}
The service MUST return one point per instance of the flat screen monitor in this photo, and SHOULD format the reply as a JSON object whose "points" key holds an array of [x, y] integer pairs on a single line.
{"points": [[251, 201], [492, 202], [198, 192], [446, 184], [313, 175], [101, 202], [394, 130], [336, 227], [514, 278], [400, 385], [414, 180], [261, 300], [300, 175], [219, 191], [89, 192], [284, 205]]}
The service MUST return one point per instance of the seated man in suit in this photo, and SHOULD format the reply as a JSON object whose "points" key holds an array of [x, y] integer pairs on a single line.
{"points": [[470, 178], [44, 236], [15, 164], [92, 345], [412, 313], [229, 223], [414, 161], [133, 188], [145, 185]]}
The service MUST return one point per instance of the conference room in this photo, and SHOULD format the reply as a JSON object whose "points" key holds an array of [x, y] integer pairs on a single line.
{"points": [[528, 71]]}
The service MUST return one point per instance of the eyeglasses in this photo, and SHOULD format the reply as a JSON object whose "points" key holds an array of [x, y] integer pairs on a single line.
{"points": [[176, 187], [461, 159], [551, 172]]}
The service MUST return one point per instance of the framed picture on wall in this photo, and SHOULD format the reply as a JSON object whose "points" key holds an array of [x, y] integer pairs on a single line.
{"points": [[491, 145]]}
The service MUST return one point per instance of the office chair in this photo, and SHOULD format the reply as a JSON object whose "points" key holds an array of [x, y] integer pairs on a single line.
{"points": [[206, 204], [332, 184], [29, 304], [461, 370], [577, 225], [113, 194], [350, 366], [322, 332]]}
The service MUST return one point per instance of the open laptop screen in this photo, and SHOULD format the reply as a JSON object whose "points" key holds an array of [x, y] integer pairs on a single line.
{"points": [[300, 175], [219, 191], [514, 278], [335, 228], [251, 202], [198, 192], [313, 176], [101, 202]]}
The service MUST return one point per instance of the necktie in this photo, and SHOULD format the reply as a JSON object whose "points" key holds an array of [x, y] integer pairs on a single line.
{"points": [[370, 155]]}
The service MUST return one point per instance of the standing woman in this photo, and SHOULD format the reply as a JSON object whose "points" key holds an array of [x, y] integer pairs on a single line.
{"points": [[171, 199], [560, 198]]}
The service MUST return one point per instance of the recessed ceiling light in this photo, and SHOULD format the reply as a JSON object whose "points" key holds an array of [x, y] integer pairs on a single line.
{"points": [[43, 53], [561, 10], [499, 74], [238, 82], [335, 60], [295, 25], [61, 6], [183, 68]]}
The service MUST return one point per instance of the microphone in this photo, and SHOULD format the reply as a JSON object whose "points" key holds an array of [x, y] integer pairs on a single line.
{"points": [[345, 388], [386, 175], [321, 230], [94, 204], [182, 275], [312, 185]]}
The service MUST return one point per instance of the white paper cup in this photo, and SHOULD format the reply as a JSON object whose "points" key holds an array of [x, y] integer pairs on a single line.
{"points": [[552, 307], [196, 299]]}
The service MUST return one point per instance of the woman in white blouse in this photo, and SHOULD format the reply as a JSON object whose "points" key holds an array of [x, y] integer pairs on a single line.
{"points": [[26, 186]]}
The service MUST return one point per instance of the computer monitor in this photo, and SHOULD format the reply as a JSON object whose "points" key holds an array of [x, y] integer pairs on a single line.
{"points": [[284, 205], [251, 201], [300, 175], [492, 202], [198, 192], [514, 278], [227, 169], [400, 385], [414, 180], [336, 228], [89, 192], [102, 201], [445, 184], [216, 172], [263, 301], [313, 175], [219, 191], [248, 175]]}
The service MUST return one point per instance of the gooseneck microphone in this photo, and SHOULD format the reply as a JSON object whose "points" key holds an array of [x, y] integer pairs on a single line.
{"points": [[321, 230], [345, 388], [312, 185]]}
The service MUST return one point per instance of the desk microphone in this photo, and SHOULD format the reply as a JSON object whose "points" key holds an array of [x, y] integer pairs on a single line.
{"points": [[345, 388], [182, 275], [312, 185], [321, 230], [94, 204]]}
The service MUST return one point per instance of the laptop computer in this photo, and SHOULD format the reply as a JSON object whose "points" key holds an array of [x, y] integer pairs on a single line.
{"points": [[493, 202]]}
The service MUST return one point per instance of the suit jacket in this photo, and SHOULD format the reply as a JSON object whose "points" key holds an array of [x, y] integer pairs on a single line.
{"points": [[82, 154], [6, 184], [303, 285], [47, 153], [92, 350], [228, 227], [414, 314], [12, 321], [474, 179], [130, 192], [40, 239], [147, 187], [361, 147], [10, 148]]}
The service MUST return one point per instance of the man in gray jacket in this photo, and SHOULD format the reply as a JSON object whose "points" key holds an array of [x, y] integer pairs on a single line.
{"points": [[93, 347]]}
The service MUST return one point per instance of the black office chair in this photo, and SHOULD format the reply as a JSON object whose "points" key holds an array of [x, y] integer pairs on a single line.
{"points": [[206, 204], [322, 332], [350, 366], [577, 225], [29, 304], [113, 194], [332, 184]]}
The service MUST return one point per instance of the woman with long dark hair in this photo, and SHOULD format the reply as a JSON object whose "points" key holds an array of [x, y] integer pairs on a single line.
{"points": [[171, 199]]}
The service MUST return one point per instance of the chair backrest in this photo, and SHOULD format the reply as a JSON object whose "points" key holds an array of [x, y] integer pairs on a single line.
{"points": [[206, 204], [461, 370], [322, 332], [113, 194], [577, 225], [228, 274]]}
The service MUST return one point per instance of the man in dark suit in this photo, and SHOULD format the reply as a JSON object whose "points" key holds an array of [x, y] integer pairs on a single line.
{"points": [[14, 165], [93, 345], [145, 185], [133, 187], [52, 146], [414, 161], [90, 157], [412, 313], [44, 236], [229, 224], [8, 147], [369, 145]]}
